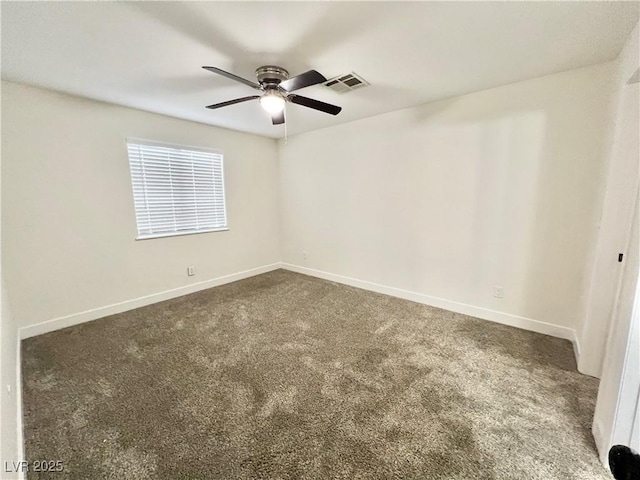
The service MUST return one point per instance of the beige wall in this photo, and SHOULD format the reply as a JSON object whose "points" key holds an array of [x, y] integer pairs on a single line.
{"points": [[621, 185], [10, 395], [10, 437], [448, 200], [618, 395], [611, 330], [68, 219]]}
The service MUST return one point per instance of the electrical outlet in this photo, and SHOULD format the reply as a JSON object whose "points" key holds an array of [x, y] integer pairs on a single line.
{"points": [[498, 292], [191, 271], [305, 255]]}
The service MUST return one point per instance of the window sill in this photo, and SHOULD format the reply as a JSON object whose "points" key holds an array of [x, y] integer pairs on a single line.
{"points": [[179, 234]]}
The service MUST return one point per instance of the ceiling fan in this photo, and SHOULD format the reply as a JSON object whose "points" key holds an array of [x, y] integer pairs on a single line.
{"points": [[276, 86]]}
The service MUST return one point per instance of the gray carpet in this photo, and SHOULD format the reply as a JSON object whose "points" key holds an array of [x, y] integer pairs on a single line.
{"points": [[287, 376]]}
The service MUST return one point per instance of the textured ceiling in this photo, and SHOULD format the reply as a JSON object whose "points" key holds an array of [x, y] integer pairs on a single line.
{"points": [[148, 55]]}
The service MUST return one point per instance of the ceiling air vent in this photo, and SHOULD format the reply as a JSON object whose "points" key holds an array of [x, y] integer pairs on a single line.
{"points": [[345, 83]]}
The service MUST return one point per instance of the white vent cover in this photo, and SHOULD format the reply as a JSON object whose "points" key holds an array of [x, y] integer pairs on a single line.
{"points": [[345, 83]]}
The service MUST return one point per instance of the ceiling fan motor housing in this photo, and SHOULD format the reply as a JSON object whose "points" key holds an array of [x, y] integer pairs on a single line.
{"points": [[270, 75]]}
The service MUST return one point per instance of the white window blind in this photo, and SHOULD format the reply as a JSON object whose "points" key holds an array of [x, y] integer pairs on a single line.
{"points": [[176, 190]]}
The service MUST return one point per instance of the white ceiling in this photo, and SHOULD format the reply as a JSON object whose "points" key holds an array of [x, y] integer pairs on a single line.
{"points": [[148, 55]]}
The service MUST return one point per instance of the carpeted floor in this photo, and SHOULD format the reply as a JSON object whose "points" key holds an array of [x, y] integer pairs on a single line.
{"points": [[287, 376]]}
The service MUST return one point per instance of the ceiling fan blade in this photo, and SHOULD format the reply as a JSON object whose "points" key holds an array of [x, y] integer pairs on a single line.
{"points": [[232, 102], [233, 77], [277, 118], [315, 104], [305, 79]]}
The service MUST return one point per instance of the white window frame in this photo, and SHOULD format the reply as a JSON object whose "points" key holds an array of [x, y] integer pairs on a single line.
{"points": [[153, 143]]}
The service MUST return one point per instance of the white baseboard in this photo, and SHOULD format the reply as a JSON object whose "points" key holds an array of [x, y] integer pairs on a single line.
{"points": [[576, 347], [601, 444], [471, 310], [465, 309], [94, 314]]}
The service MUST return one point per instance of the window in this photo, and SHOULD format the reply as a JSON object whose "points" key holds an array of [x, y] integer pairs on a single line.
{"points": [[176, 190]]}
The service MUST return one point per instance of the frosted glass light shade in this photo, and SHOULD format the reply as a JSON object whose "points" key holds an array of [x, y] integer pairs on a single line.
{"points": [[272, 102]]}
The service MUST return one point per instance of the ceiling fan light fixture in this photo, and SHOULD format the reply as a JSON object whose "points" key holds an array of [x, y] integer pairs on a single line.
{"points": [[278, 87], [272, 102]]}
